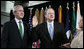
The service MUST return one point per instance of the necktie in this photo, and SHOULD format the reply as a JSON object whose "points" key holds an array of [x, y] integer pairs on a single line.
{"points": [[51, 31], [20, 26]]}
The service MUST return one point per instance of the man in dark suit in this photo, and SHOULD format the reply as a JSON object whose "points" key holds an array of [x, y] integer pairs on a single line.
{"points": [[50, 33], [15, 33]]}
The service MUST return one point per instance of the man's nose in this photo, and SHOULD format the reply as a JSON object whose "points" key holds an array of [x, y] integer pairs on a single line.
{"points": [[51, 14]]}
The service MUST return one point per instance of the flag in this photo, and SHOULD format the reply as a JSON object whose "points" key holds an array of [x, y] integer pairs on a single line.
{"points": [[39, 43], [60, 14], [38, 16], [36, 12], [67, 24], [44, 19], [41, 17], [73, 26], [36, 44], [44, 15], [30, 20], [78, 16]]}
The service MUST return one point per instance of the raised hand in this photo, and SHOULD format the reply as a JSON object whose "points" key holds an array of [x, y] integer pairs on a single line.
{"points": [[34, 21]]}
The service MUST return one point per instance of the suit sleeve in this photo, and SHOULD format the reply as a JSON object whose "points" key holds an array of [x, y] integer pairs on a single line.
{"points": [[4, 36]]}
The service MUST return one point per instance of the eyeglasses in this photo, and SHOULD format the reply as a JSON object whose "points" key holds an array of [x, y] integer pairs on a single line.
{"points": [[50, 13]]}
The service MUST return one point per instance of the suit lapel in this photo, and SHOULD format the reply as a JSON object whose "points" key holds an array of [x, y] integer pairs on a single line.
{"points": [[47, 32], [24, 30], [16, 28], [55, 30]]}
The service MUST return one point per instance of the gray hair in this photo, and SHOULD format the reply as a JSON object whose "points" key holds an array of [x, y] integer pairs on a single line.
{"points": [[47, 10], [15, 7]]}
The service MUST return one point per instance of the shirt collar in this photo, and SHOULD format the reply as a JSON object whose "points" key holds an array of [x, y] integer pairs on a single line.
{"points": [[17, 20], [50, 23]]}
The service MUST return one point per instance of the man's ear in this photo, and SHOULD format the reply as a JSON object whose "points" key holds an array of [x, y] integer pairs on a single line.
{"points": [[14, 13]]}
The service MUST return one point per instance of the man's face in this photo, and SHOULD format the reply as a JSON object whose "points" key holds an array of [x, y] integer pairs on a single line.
{"points": [[19, 13], [50, 15]]}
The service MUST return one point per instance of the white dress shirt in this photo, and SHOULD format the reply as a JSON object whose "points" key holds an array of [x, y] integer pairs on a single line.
{"points": [[52, 23], [17, 22]]}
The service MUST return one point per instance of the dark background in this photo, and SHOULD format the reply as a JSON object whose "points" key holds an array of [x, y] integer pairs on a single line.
{"points": [[55, 6]]}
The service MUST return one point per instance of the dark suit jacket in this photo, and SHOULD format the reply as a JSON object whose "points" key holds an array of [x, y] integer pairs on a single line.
{"points": [[11, 38], [42, 33]]}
